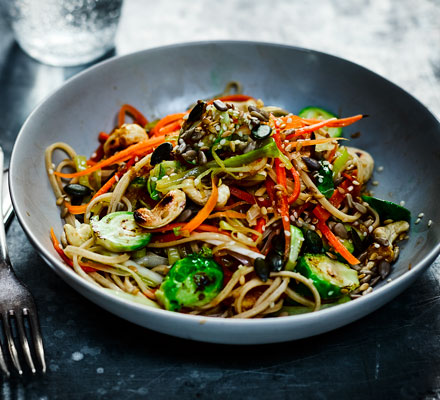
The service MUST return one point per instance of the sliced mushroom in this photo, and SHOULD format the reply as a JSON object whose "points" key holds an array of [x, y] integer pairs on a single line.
{"points": [[167, 210], [386, 234], [123, 137], [391, 231], [200, 197], [364, 161], [76, 236]]}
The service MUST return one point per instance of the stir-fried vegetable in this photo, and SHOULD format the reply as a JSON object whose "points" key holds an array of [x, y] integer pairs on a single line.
{"points": [[192, 282]]}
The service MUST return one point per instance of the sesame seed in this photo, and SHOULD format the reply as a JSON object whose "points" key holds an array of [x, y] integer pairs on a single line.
{"points": [[50, 171], [375, 183], [402, 203], [261, 198], [364, 286], [421, 215], [94, 155], [117, 178], [370, 228], [286, 218], [355, 182], [289, 120], [379, 169], [350, 188], [377, 245], [287, 233], [417, 221], [263, 210], [292, 218], [429, 223], [389, 280], [154, 178], [136, 159]]}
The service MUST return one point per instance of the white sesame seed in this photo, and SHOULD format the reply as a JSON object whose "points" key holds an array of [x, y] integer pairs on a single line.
{"points": [[286, 218], [292, 218], [429, 223], [370, 229], [377, 245], [417, 221], [50, 171], [289, 120], [379, 169], [375, 183], [136, 159], [222, 142], [421, 215], [355, 182], [295, 214], [287, 233], [350, 188], [389, 280], [154, 178], [94, 155], [402, 203]]}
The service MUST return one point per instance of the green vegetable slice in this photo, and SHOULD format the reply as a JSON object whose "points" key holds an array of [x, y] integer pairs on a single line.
{"points": [[325, 180], [192, 282], [388, 210], [296, 240], [329, 276], [296, 310], [319, 113], [119, 232], [340, 161]]}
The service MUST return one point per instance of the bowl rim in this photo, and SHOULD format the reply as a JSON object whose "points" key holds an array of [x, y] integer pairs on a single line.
{"points": [[57, 264]]}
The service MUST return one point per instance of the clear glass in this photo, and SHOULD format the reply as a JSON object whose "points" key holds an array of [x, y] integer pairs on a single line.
{"points": [[65, 32]]}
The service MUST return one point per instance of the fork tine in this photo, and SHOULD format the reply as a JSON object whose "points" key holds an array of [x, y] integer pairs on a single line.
{"points": [[24, 342], [11, 344], [36, 334], [3, 366]]}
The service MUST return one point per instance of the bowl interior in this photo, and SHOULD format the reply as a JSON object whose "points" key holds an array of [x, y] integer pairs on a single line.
{"points": [[400, 133]]}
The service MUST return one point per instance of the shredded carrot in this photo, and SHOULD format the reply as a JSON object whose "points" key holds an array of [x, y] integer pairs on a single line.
{"points": [[334, 241], [291, 122], [134, 112], [141, 148], [332, 153], [172, 127], [104, 189], [165, 121], [340, 122], [312, 142], [205, 211], [234, 205], [229, 214]]}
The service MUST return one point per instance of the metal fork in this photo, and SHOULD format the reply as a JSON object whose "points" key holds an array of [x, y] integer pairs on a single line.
{"points": [[16, 304]]}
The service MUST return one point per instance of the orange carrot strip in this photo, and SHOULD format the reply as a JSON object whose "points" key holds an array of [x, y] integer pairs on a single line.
{"points": [[310, 128], [204, 212], [172, 127], [165, 121], [135, 149], [134, 112], [229, 214], [334, 241], [234, 205], [340, 122], [317, 141]]}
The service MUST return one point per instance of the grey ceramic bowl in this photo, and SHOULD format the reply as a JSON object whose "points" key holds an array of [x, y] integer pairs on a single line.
{"points": [[401, 134]]}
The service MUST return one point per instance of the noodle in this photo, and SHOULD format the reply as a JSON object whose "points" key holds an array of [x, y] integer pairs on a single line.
{"points": [[255, 209]]}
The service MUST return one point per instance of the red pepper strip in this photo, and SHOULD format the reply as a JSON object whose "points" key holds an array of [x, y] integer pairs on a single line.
{"points": [[310, 128], [233, 97], [283, 202], [135, 113], [261, 223], [102, 137], [242, 195], [334, 241], [337, 197], [270, 190], [297, 187]]}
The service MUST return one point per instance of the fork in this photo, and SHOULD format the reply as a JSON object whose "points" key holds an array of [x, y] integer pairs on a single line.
{"points": [[16, 304]]}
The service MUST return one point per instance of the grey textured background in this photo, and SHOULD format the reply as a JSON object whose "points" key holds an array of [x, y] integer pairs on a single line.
{"points": [[393, 353]]}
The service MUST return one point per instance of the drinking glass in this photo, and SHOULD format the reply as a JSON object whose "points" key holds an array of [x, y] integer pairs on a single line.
{"points": [[65, 32]]}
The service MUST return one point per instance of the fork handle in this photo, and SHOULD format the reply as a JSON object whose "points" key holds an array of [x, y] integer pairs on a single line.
{"points": [[4, 257]]}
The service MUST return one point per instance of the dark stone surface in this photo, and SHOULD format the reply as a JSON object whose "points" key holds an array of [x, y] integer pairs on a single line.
{"points": [[393, 353]]}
